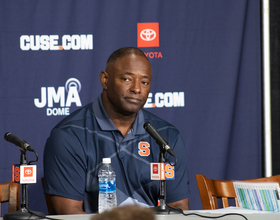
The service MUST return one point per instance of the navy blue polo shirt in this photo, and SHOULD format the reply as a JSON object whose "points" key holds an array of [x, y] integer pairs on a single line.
{"points": [[73, 154]]}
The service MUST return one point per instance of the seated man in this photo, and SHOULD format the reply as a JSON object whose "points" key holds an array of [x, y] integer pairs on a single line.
{"points": [[112, 126]]}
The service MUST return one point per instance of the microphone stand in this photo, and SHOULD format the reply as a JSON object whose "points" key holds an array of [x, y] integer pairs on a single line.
{"points": [[24, 213], [163, 209]]}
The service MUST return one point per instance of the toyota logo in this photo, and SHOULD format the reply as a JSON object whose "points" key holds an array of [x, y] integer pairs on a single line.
{"points": [[28, 171], [148, 34]]}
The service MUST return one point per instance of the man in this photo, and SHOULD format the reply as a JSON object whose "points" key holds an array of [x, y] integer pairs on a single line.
{"points": [[112, 126]]}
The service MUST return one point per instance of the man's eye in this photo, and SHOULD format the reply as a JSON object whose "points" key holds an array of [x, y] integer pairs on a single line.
{"points": [[125, 79]]}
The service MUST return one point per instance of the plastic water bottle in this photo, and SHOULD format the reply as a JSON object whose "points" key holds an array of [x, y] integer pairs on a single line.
{"points": [[107, 186]]}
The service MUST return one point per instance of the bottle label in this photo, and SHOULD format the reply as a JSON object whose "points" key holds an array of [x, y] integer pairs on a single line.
{"points": [[107, 186]]}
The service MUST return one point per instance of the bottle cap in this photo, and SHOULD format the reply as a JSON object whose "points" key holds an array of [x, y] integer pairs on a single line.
{"points": [[106, 160]]}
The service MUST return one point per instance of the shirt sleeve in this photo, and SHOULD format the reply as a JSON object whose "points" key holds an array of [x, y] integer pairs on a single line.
{"points": [[178, 189], [64, 165]]}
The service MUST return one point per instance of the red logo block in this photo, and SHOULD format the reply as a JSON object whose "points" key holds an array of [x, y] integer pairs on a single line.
{"points": [[155, 168], [28, 172], [148, 34]]}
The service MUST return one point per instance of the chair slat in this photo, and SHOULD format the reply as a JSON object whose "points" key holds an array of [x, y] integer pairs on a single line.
{"points": [[10, 192]]}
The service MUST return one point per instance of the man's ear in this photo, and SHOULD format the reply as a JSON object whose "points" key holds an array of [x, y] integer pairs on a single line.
{"points": [[103, 79]]}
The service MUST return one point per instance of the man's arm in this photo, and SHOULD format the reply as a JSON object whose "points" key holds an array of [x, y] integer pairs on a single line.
{"points": [[58, 179], [182, 204], [65, 206]]}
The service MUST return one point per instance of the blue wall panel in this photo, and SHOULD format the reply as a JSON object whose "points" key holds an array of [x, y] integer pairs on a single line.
{"points": [[206, 75]]}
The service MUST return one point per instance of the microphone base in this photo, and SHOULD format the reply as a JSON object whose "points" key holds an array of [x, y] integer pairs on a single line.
{"points": [[165, 211], [23, 214]]}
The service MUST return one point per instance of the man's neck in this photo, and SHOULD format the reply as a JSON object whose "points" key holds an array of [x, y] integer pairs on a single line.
{"points": [[123, 122], [123, 126]]}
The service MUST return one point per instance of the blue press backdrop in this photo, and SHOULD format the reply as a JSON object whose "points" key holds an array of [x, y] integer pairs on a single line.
{"points": [[206, 76]]}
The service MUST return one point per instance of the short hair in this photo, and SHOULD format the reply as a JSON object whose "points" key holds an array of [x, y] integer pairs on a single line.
{"points": [[124, 52], [127, 212]]}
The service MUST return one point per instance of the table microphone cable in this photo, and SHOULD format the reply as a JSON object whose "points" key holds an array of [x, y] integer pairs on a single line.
{"points": [[205, 216], [172, 208]]}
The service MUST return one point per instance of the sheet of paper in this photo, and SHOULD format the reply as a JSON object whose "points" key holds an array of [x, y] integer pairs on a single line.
{"points": [[232, 210], [258, 196]]}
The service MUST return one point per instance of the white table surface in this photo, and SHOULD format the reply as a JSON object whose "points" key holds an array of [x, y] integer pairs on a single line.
{"points": [[249, 214]]}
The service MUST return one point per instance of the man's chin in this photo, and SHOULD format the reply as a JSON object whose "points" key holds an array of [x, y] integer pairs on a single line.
{"points": [[131, 111]]}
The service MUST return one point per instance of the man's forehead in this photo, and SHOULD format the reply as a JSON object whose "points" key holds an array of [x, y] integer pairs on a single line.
{"points": [[130, 60]]}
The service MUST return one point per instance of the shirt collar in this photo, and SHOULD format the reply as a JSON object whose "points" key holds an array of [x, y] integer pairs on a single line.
{"points": [[107, 124]]}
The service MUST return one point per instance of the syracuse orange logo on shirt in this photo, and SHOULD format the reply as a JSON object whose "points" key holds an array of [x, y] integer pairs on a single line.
{"points": [[143, 149]]}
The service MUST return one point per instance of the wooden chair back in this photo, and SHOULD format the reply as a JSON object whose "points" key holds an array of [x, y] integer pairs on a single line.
{"points": [[48, 199], [10, 192], [210, 190]]}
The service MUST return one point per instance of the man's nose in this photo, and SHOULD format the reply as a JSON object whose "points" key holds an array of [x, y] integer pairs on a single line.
{"points": [[136, 87]]}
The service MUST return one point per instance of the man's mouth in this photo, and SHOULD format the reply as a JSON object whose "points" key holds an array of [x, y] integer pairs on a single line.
{"points": [[133, 100]]}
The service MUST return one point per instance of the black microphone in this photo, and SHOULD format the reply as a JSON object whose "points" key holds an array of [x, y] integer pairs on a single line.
{"points": [[160, 141], [23, 145]]}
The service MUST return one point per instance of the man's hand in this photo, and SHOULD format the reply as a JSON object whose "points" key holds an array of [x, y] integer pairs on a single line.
{"points": [[65, 206], [182, 204]]}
